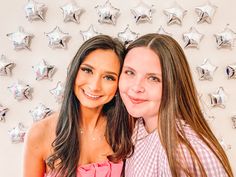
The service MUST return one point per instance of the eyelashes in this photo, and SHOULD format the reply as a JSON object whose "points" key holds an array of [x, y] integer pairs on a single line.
{"points": [[90, 71]]}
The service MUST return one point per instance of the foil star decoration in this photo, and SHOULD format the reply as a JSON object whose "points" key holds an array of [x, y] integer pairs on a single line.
{"points": [[58, 92], [20, 39], [233, 118], [142, 13], [175, 14], [127, 36], [17, 133], [71, 12], [206, 70], [226, 38], [231, 71], [6, 66], [40, 112], [43, 70], [205, 13], [192, 38], [89, 33], [107, 13], [3, 111], [20, 91], [161, 30], [218, 98], [35, 10], [224, 145]]}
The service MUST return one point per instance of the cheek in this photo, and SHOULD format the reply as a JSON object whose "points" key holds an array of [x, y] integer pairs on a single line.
{"points": [[123, 84], [111, 88]]}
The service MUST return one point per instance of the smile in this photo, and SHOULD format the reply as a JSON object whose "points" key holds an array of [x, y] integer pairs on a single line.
{"points": [[91, 96], [136, 100]]}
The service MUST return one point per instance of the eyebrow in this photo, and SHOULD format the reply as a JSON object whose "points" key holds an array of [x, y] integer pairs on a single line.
{"points": [[107, 72], [128, 67]]}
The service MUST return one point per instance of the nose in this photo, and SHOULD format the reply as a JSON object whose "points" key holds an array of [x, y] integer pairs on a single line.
{"points": [[95, 83], [138, 86]]}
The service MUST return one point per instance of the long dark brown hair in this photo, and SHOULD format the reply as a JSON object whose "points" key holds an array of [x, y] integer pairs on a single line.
{"points": [[179, 105], [66, 146]]}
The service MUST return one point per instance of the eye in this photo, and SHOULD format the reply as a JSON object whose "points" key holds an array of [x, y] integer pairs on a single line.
{"points": [[154, 79], [110, 78], [128, 72], [86, 70]]}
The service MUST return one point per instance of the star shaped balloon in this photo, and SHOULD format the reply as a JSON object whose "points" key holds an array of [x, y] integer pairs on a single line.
{"points": [[6, 66], [107, 13], [17, 133], [57, 38], [206, 70], [3, 111], [43, 70], [161, 30], [218, 98], [231, 71], [20, 91], [40, 112], [224, 145], [192, 38], [233, 118], [127, 36], [89, 33], [58, 92], [35, 10], [142, 13], [175, 14], [205, 13], [226, 38], [71, 12], [20, 39]]}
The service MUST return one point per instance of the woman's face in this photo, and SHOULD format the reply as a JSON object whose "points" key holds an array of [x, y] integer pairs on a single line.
{"points": [[140, 82], [97, 78]]}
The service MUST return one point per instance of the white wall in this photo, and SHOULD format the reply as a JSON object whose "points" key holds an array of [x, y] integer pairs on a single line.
{"points": [[12, 15]]}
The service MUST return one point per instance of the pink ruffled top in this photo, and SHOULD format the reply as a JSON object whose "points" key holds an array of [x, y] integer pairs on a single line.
{"points": [[101, 169]]}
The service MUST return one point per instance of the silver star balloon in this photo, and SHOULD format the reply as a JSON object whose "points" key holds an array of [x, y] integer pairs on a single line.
{"points": [[89, 33], [224, 145], [20, 39], [43, 70], [161, 30], [20, 90], [71, 12], [231, 71], [17, 133], [35, 10], [6, 66], [218, 98], [3, 111], [226, 38], [58, 92], [206, 70], [127, 36], [233, 118], [192, 38], [57, 38], [205, 13], [40, 112], [175, 14], [142, 13], [107, 13]]}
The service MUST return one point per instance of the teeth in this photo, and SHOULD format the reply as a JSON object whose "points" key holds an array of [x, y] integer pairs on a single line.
{"points": [[93, 96]]}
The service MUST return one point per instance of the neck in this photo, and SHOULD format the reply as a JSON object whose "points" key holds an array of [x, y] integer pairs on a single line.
{"points": [[150, 123]]}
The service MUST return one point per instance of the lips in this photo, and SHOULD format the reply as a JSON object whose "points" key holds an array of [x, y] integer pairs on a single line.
{"points": [[91, 96], [136, 100]]}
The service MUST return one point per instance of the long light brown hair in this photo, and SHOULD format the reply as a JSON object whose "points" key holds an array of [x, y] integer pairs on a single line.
{"points": [[179, 105]]}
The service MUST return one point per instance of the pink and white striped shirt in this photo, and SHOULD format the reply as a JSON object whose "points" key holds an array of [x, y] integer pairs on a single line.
{"points": [[150, 160]]}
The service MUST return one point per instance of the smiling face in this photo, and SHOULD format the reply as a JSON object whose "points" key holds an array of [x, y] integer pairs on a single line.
{"points": [[140, 82], [97, 78]]}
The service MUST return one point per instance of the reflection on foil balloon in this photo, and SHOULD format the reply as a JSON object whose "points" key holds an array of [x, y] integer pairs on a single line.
{"points": [[226, 38], [161, 30], [6, 66], [175, 14], [43, 70], [206, 70], [17, 133], [107, 13], [57, 38], [58, 92], [205, 12], [71, 12], [218, 98], [20, 91], [35, 10], [233, 118], [127, 36], [224, 145], [142, 13], [20, 39], [40, 112], [89, 33], [192, 38], [3, 111], [231, 71]]}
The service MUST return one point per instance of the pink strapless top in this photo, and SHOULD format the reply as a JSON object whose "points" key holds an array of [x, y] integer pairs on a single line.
{"points": [[102, 169]]}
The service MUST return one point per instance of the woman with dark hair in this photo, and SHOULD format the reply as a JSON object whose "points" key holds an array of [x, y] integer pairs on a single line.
{"points": [[171, 136], [90, 136]]}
